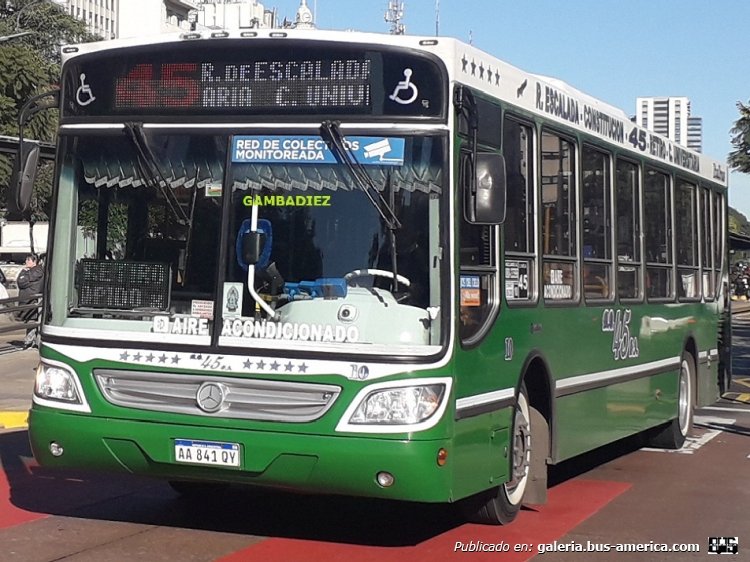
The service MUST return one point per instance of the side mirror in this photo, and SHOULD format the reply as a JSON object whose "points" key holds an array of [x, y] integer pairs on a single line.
{"points": [[23, 176], [485, 189], [253, 247]]}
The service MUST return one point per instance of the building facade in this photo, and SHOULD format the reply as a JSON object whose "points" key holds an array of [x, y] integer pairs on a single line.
{"points": [[670, 116], [112, 19], [234, 14]]}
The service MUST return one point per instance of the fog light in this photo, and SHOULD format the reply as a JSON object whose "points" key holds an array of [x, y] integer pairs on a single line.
{"points": [[442, 457], [56, 449], [385, 479]]}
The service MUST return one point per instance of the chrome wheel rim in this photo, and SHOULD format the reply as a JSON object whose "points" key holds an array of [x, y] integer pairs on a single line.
{"points": [[521, 460], [683, 404]]}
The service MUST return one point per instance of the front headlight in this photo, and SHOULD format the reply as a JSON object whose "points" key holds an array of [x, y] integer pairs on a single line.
{"points": [[399, 406], [57, 385], [402, 406]]}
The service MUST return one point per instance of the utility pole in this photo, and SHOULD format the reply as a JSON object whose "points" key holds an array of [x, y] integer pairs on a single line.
{"points": [[437, 18]]}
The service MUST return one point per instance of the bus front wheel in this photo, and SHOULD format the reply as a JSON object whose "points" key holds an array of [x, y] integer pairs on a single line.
{"points": [[501, 505]]}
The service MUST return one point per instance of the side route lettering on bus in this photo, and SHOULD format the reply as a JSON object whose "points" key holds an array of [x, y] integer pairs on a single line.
{"points": [[563, 106], [558, 104], [624, 345]]}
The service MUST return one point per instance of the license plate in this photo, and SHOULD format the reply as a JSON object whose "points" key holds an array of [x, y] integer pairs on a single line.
{"points": [[210, 453]]}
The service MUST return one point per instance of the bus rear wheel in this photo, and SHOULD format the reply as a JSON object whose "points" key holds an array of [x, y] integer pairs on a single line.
{"points": [[501, 505], [673, 434]]}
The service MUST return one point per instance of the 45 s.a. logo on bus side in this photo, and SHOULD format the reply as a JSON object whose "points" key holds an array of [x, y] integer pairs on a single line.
{"points": [[618, 322]]}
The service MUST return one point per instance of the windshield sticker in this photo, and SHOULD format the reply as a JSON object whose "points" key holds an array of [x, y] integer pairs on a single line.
{"points": [[470, 293], [232, 302], [202, 309], [300, 331], [213, 189], [369, 151]]}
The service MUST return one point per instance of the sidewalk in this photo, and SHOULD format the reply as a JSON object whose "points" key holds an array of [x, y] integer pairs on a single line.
{"points": [[9, 341], [17, 371]]}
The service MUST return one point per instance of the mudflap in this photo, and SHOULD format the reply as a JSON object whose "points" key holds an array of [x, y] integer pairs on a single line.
{"points": [[536, 489]]}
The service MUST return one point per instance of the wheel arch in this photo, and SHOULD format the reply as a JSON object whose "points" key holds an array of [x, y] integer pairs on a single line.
{"points": [[691, 346], [539, 390]]}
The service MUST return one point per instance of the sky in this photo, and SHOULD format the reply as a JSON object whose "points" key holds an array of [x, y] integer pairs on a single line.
{"points": [[615, 50]]}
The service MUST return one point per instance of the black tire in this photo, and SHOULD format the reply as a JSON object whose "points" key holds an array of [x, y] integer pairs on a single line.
{"points": [[501, 505], [673, 434]]}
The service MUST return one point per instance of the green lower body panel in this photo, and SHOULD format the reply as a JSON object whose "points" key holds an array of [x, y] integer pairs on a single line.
{"points": [[588, 420], [320, 464]]}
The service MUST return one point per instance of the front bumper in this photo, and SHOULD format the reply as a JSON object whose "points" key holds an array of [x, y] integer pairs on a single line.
{"points": [[339, 464]]}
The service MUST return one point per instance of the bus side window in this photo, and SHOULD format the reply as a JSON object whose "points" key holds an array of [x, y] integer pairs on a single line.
{"points": [[519, 227], [686, 232], [657, 207], [596, 232], [628, 230], [558, 215], [478, 275]]}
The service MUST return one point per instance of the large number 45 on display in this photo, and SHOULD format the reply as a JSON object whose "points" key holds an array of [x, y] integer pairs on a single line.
{"points": [[175, 86]]}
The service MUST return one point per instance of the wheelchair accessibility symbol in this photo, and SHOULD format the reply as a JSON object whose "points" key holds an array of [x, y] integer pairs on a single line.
{"points": [[84, 95], [405, 88]]}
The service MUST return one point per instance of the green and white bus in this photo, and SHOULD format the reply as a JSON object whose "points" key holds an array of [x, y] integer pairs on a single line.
{"points": [[379, 266]]}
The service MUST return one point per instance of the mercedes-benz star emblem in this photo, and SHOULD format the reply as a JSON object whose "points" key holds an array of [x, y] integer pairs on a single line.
{"points": [[210, 397]]}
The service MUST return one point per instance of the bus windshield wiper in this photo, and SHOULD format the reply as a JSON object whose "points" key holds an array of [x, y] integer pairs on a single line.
{"points": [[151, 172], [331, 134], [335, 140]]}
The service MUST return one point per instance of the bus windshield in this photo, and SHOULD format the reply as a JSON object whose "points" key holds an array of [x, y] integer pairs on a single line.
{"points": [[348, 254]]}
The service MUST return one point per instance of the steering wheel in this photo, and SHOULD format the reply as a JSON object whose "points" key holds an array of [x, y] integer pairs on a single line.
{"points": [[375, 273]]}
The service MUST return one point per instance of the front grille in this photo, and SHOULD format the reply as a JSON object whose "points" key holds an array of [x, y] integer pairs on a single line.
{"points": [[242, 398]]}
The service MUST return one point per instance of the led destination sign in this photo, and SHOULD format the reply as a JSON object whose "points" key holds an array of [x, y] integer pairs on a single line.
{"points": [[239, 77], [261, 84]]}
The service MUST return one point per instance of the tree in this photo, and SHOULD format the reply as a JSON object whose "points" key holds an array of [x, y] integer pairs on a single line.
{"points": [[739, 158], [30, 65]]}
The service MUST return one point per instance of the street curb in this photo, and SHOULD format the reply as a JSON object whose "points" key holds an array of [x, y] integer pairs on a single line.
{"points": [[13, 420]]}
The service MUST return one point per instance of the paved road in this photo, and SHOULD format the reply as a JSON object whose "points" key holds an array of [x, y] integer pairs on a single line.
{"points": [[618, 495]]}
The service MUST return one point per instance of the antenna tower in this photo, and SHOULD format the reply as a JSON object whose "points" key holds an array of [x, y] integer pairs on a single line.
{"points": [[394, 15]]}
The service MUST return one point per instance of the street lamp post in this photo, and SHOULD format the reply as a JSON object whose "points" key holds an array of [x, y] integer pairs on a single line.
{"points": [[5, 38]]}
